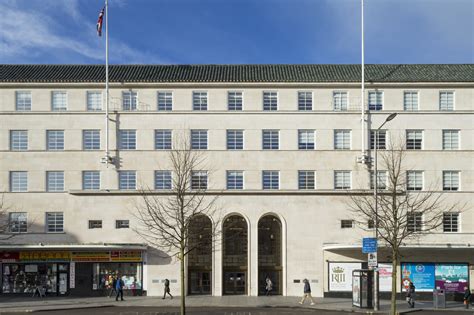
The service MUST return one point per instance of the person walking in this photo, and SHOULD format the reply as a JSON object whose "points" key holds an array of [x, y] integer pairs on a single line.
{"points": [[467, 297], [119, 288], [411, 295], [112, 286], [307, 292], [167, 289], [268, 286]]}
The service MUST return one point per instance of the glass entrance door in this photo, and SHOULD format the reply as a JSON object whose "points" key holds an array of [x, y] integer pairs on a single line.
{"points": [[200, 282], [235, 283]]}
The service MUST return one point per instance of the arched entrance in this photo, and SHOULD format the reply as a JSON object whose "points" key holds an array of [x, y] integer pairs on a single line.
{"points": [[200, 256], [235, 255], [270, 253]]}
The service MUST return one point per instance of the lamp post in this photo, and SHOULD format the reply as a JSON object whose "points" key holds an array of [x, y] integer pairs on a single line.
{"points": [[376, 186]]}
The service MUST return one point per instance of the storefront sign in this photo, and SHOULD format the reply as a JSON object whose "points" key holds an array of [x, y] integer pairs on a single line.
{"points": [[44, 256], [340, 275], [132, 255], [451, 277], [72, 275], [421, 274], [90, 256], [9, 256], [385, 277]]}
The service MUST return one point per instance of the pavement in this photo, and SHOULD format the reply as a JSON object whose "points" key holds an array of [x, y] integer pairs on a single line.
{"points": [[10, 304]]}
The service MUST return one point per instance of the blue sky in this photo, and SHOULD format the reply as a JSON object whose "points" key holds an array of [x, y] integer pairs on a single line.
{"points": [[237, 31]]}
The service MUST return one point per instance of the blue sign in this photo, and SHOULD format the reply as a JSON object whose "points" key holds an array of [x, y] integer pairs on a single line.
{"points": [[421, 274], [369, 245]]}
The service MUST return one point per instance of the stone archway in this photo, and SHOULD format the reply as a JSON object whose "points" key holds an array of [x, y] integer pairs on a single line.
{"points": [[270, 253]]}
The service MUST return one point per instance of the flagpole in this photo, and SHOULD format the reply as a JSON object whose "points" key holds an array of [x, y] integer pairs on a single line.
{"points": [[106, 83]]}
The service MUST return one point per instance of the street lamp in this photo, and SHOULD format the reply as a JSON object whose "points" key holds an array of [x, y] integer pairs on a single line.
{"points": [[376, 186]]}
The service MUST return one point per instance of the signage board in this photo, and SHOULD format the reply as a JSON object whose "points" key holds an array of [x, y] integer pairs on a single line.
{"points": [[385, 277], [340, 275], [421, 274], [44, 256], [372, 260], [369, 245], [90, 256], [131, 255], [451, 277]]}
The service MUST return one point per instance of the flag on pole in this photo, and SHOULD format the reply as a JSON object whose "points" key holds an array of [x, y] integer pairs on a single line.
{"points": [[100, 22]]}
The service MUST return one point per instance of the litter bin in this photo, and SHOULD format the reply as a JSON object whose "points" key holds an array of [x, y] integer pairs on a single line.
{"points": [[439, 298]]}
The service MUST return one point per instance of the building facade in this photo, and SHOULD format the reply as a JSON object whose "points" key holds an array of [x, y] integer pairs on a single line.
{"points": [[282, 143]]}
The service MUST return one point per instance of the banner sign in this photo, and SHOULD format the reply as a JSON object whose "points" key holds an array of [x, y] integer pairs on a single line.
{"points": [[91, 256], [72, 275], [451, 277], [385, 277], [340, 275], [132, 255], [421, 274], [66, 256], [45, 256], [9, 256]]}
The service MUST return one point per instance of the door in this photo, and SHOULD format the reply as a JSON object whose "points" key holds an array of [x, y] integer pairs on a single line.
{"points": [[200, 282], [235, 283]]}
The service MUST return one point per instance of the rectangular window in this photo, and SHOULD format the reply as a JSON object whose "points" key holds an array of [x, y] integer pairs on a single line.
{"points": [[127, 180], [410, 100], [340, 101], [450, 139], [235, 180], [91, 139], [414, 139], [381, 179], [234, 100], [163, 180], [199, 180], [199, 100], [342, 180], [128, 139], [375, 100], [370, 224], [235, 139], [165, 101], [414, 222], [55, 140], [23, 101], [305, 100], [199, 139], [347, 224], [95, 224], [306, 140], [342, 139], [58, 101], [414, 180], [18, 140], [270, 180], [450, 222], [306, 180], [94, 101], [18, 222], [91, 180], [55, 181], [451, 180], [270, 101], [270, 139], [129, 100], [54, 222], [446, 100], [381, 138], [163, 139], [122, 224], [18, 181]]}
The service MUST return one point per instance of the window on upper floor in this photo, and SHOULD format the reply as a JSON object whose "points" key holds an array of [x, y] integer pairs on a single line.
{"points": [[381, 179], [163, 139], [54, 181], [414, 139], [306, 180], [129, 100], [199, 180], [95, 224], [234, 101], [18, 140], [163, 180], [342, 139], [91, 139], [58, 101], [18, 181], [235, 139], [200, 100], [446, 100], [451, 222], [128, 139], [55, 140], [127, 180], [270, 101], [270, 180], [375, 100], [381, 139], [306, 139], [305, 100], [23, 101], [410, 100], [235, 180], [450, 139], [122, 224], [94, 100], [342, 180], [415, 180], [91, 180], [199, 139], [54, 222], [339, 99], [451, 180], [18, 222], [270, 139], [414, 222], [347, 224], [165, 101]]}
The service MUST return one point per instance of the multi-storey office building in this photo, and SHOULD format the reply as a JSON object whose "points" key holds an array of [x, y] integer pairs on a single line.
{"points": [[283, 142]]}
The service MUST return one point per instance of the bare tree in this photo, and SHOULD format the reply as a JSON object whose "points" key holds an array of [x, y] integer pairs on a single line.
{"points": [[4, 220], [402, 214], [173, 221]]}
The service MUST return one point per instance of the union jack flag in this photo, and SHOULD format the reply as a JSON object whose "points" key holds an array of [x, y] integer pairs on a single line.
{"points": [[100, 22]]}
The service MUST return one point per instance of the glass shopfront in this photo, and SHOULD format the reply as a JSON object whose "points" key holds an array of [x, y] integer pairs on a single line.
{"points": [[130, 273]]}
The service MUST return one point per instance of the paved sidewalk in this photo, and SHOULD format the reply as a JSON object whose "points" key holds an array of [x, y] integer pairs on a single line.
{"points": [[23, 304]]}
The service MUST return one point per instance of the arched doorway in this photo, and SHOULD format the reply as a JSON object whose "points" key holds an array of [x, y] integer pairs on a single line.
{"points": [[270, 253], [235, 255], [200, 256]]}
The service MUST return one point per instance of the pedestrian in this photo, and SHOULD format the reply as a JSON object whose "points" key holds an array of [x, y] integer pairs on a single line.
{"points": [[411, 294], [307, 292], [119, 288], [167, 289], [268, 286], [467, 297], [112, 286]]}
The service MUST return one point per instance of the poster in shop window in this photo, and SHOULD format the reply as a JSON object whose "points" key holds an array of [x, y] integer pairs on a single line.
{"points": [[451, 277], [421, 274], [340, 275], [385, 277]]}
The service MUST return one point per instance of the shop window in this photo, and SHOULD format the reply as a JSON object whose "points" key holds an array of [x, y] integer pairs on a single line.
{"points": [[130, 273], [25, 278]]}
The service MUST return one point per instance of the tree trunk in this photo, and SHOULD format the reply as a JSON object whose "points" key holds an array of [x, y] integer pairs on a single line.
{"points": [[393, 302], [182, 276]]}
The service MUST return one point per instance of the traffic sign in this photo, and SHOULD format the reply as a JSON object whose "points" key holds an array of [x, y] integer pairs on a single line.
{"points": [[372, 260], [369, 245]]}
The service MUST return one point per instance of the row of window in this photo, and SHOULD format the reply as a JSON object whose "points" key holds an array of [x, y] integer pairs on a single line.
{"points": [[127, 139], [451, 222], [234, 179], [234, 100]]}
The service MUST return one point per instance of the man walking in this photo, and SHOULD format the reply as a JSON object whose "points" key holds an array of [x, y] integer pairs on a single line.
{"points": [[307, 292], [167, 289], [119, 288]]}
